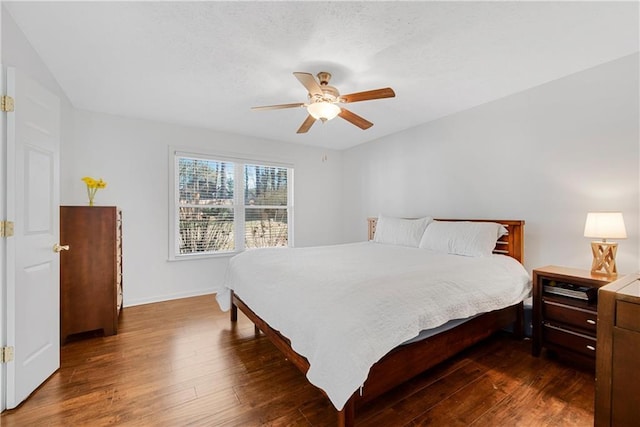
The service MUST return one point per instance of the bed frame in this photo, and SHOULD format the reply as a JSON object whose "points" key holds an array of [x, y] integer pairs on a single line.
{"points": [[407, 361]]}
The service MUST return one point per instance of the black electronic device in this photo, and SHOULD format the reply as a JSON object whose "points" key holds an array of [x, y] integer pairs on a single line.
{"points": [[570, 290]]}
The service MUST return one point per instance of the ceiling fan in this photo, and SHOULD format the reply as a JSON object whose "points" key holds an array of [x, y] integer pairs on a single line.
{"points": [[324, 99]]}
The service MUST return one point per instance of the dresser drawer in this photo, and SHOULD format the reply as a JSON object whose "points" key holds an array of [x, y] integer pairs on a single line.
{"points": [[574, 341], [574, 316], [628, 315]]}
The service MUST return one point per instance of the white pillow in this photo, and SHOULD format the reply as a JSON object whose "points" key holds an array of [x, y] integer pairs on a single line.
{"points": [[462, 237], [399, 231]]}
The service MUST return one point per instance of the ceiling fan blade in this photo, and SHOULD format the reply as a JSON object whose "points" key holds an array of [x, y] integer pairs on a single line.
{"points": [[306, 125], [386, 92], [355, 119], [309, 82], [278, 107]]}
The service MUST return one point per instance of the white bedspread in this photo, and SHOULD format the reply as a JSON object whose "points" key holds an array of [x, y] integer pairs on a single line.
{"points": [[344, 307]]}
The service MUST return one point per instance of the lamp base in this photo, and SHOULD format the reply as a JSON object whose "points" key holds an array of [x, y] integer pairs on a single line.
{"points": [[604, 258]]}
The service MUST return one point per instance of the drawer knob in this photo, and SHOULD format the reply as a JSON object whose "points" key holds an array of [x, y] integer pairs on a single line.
{"points": [[592, 348], [591, 321]]}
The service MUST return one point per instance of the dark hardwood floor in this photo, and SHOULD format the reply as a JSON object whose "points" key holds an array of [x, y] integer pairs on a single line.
{"points": [[182, 362]]}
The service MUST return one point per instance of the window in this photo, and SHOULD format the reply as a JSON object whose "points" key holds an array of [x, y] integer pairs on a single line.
{"points": [[225, 205], [266, 212]]}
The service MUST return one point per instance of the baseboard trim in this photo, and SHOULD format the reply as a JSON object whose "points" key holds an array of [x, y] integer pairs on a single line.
{"points": [[168, 297]]}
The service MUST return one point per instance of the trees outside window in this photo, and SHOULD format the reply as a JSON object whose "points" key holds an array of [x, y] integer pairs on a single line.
{"points": [[226, 206]]}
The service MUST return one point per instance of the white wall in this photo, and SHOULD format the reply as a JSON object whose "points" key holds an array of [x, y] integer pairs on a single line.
{"points": [[547, 155], [133, 157], [17, 52]]}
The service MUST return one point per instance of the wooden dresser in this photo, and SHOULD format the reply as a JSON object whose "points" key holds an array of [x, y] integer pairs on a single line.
{"points": [[91, 270], [618, 353]]}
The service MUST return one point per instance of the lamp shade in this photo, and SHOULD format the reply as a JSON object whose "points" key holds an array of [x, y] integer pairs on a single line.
{"points": [[605, 225], [323, 110]]}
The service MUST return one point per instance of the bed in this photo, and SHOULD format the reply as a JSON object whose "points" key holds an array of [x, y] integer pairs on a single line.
{"points": [[403, 359]]}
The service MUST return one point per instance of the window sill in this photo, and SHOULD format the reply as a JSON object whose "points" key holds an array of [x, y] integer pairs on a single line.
{"points": [[201, 257]]}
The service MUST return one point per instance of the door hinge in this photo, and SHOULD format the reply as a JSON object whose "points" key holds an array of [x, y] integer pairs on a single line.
{"points": [[7, 104], [6, 228], [6, 354]]}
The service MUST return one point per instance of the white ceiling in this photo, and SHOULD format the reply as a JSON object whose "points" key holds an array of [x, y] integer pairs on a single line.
{"points": [[206, 63]]}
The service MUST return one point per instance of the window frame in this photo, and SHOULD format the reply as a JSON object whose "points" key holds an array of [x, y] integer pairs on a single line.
{"points": [[239, 161]]}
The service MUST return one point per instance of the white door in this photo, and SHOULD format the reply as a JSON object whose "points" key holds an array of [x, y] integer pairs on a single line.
{"points": [[33, 268], [3, 215]]}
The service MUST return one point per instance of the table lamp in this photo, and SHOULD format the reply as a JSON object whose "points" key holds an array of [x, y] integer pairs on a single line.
{"points": [[604, 225]]}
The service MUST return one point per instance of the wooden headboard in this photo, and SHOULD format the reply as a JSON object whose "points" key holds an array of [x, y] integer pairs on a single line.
{"points": [[511, 244]]}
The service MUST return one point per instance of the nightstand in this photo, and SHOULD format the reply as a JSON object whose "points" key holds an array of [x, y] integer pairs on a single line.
{"points": [[563, 324]]}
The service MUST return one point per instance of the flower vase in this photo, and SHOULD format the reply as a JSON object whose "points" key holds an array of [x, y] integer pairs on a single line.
{"points": [[92, 187]]}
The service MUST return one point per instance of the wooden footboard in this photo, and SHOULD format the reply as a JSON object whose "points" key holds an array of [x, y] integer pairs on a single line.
{"points": [[406, 361], [403, 362], [276, 338]]}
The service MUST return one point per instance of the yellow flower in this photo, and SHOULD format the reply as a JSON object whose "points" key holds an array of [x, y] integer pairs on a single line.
{"points": [[93, 185]]}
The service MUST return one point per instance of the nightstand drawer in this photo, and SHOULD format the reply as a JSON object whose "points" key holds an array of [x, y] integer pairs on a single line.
{"points": [[553, 311], [570, 340]]}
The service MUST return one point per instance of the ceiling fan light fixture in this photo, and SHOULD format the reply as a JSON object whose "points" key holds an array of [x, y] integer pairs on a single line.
{"points": [[323, 110], [323, 99]]}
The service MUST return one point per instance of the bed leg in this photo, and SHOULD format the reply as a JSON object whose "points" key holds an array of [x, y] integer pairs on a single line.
{"points": [[518, 325], [347, 417], [234, 310]]}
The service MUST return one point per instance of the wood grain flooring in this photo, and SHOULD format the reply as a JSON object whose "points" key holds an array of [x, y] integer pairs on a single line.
{"points": [[182, 362]]}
